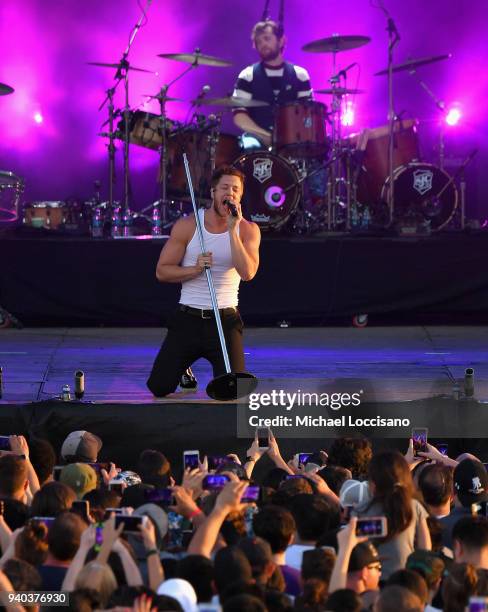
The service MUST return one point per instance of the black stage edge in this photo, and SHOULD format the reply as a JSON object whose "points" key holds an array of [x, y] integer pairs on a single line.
{"points": [[49, 280], [127, 429]]}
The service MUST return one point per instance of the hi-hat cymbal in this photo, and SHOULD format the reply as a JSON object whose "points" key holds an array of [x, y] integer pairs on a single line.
{"points": [[336, 43], [6, 89], [105, 65], [160, 96], [197, 59], [413, 64], [231, 101], [339, 91]]}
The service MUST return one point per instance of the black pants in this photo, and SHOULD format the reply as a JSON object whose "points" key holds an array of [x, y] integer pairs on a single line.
{"points": [[189, 338]]}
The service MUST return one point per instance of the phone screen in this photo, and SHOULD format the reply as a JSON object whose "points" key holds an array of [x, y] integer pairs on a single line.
{"points": [[478, 604], [263, 437], [160, 496], [371, 527], [191, 459], [419, 437], [215, 461], [442, 448], [4, 443], [303, 458], [251, 494], [214, 482]]}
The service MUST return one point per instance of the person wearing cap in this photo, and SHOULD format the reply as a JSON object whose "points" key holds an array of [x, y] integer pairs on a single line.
{"points": [[81, 447], [80, 477], [470, 487], [364, 570], [431, 567]]}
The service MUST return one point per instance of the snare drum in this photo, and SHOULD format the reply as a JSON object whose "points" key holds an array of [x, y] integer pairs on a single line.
{"points": [[272, 190], [45, 214], [299, 129]]}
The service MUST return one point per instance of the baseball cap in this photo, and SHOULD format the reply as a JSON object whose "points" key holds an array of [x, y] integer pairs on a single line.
{"points": [[362, 555], [80, 477], [82, 446], [428, 563], [471, 482], [354, 493], [182, 591]]}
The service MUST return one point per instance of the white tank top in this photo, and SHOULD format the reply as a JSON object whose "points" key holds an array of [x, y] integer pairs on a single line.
{"points": [[226, 279]]}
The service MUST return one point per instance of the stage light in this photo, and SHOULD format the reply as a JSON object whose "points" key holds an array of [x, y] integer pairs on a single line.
{"points": [[347, 117], [453, 115], [38, 118]]}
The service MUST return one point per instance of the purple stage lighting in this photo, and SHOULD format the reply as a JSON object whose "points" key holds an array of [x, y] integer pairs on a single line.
{"points": [[38, 118], [348, 115], [453, 116]]}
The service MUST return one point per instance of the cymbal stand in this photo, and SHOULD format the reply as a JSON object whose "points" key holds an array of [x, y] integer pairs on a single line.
{"points": [[393, 40], [111, 146], [163, 149]]}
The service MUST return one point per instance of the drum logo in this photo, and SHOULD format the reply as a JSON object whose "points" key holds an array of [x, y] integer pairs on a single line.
{"points": [[262, 169], [422, 181]]}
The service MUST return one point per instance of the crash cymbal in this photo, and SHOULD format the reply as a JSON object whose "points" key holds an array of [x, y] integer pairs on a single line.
{"points": [[197, 59], [231, 101], [6, 89], [413, 64], [162, 97], [105, 65], [339, 91], [336, 43]]}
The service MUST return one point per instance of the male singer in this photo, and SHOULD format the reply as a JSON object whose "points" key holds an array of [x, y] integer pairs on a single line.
{"points": [[232, 252]]}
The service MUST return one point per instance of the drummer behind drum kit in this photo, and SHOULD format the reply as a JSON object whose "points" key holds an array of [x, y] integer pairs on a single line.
{"points": [[311, 178]]}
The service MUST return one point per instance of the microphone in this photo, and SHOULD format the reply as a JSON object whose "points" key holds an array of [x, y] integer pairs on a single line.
{"points": [[203, 92], [231, 206], [79, 384], [343, 72]]}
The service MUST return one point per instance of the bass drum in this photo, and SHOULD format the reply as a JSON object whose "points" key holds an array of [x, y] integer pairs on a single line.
{"points": [[421, 192], [271, 189]]}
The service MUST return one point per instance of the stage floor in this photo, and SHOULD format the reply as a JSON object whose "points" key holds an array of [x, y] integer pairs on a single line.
{"points": [[394, 363]]}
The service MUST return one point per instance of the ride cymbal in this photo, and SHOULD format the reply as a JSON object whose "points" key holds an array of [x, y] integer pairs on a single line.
{"points": [[107, 65], [339, 91], [413, 64], [336, 43], [5, 90], [198, 59]]}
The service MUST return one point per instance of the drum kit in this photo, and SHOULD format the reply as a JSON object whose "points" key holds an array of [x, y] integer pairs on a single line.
{"points": [[312, 178]]}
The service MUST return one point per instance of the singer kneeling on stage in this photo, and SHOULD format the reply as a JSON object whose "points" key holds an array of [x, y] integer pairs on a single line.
{"points": [[232, 252]]}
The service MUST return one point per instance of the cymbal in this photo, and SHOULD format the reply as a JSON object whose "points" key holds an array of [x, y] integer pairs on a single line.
{"points": [[6, 89], [162, 97], [339, 91], [231, 101], [336, 43], [198, 59], [413, 64], [105, 65]]}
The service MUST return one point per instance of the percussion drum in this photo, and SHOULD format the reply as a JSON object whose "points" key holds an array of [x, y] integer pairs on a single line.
{"points": [[45, 214], [11, 188], [418, 195], [144, 129], [271, 189], [375, 143], [299, 129]]}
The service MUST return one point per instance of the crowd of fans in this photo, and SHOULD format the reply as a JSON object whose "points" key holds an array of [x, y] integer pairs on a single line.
{"points": [[346, 530]]}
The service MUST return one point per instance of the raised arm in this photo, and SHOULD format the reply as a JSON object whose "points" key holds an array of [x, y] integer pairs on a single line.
{"points": [[244, 247]]}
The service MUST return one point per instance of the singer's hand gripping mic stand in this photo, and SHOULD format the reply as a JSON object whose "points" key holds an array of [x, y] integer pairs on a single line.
{"points": [[231, 385]]}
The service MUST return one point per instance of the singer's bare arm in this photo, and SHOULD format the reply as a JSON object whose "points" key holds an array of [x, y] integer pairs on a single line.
{"points": [[169, 268], [245, 249], [246, 124]]}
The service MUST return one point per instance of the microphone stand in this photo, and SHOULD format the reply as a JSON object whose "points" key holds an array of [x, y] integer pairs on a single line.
{"points": [[122, 74]]}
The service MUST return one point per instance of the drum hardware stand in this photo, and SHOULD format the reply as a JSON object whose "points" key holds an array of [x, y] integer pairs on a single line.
{"points": [[163, 149], [230, 385], [111, 146]]}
